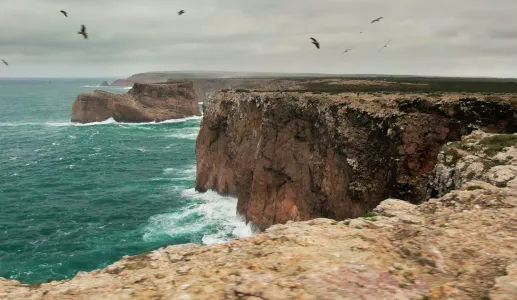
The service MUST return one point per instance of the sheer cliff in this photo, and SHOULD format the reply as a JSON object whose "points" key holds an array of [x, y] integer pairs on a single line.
{"points": [[298, 156]]}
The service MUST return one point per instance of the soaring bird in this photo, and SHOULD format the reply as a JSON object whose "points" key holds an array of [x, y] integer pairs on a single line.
{"points": [[376, 20], [345, 51], [181, 12], [385, 45], [315, 42], [5, 63], [64, 13], [83, 31]]}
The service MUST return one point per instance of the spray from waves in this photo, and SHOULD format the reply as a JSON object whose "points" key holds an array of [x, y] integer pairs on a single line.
{"points": [[186, 133], [211, 215], [105, 122]]}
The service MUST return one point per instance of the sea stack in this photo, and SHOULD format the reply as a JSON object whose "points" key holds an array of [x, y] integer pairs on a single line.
{"points": [[143, 103]]}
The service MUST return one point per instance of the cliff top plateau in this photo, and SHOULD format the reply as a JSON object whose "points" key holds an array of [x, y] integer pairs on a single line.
{"points": [[462, 245]]}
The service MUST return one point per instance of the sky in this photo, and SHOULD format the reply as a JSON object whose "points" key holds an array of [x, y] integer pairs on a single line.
{"points": [[428, 37]]}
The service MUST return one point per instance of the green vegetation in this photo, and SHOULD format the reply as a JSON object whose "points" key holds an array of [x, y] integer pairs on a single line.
{"points": [[375, 214], [474, 187], [347, 222], [358, 227], [502, 184], [455, 156], [443, 225], [433, 86], [497, 143]]}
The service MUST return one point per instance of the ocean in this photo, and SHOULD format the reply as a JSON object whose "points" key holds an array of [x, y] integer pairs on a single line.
{"points": [[80, 197]]}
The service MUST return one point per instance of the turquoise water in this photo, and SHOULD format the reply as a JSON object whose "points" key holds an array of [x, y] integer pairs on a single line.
{"points": [[76, 198]]}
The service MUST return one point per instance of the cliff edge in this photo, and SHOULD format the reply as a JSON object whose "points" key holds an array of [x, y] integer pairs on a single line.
{"points": [[298, 156], [459, 246], [143, 103]]}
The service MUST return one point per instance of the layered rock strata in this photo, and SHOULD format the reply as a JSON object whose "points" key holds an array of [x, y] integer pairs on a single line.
{"points": [[143, 103], [298, 156], [460, 246]]}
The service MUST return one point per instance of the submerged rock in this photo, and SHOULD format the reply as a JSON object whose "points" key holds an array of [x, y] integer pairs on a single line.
{"points": [[143, 103]]}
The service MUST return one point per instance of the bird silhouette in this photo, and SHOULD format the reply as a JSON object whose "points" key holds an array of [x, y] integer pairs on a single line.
{"points": [[83, 31], [376, 20], [5, 63], [385, 45], [64, 13], [315, 42], [181, 12], [346, 51]]}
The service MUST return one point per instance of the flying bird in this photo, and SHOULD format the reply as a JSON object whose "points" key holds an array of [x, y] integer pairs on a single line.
{"points": [[315, 42], [5, 63], [385, 45], [376, 20], [83, 31], [181, 12], [64, 13], [345, 51]]}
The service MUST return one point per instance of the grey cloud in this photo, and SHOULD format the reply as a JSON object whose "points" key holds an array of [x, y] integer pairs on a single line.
{"points": [[440, 37]]}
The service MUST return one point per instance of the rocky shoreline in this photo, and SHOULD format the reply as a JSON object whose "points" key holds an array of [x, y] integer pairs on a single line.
{"points": [[143, 103], [393, 196], [462, 245]]}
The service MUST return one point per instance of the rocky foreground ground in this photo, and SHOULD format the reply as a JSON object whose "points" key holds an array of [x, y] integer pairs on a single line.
{"points": [[462, 245]]}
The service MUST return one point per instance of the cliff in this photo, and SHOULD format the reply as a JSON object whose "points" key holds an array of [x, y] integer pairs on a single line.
{"points": [[299, 156], [459, 246], [143, 103]]}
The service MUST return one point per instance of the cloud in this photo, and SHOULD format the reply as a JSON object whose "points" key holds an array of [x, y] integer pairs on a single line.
{"points": [[440, 37]]}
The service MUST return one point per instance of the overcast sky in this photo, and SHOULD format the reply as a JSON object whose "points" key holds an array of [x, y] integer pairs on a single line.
{"points": [[429, 37]]}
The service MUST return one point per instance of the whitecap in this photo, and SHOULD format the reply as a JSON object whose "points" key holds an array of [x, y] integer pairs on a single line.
{"points": [[208, 210]]}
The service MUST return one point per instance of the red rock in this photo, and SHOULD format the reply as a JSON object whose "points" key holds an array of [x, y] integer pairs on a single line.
{"points": [[143, 103], [298, 156]]}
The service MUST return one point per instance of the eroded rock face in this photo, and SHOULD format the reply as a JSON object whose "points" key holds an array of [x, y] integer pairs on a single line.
{"points": [[298, 156], [460, 246], [143, 103]]}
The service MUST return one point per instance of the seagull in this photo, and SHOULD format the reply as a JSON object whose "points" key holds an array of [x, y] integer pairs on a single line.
{"points": [[385, 45], [315, 42], [181, 12], [5, 63], [83, 32], [376, 20], [64, 13], [345, 51]]}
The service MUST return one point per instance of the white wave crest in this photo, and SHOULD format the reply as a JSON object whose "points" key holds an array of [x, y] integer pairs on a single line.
{"points": [[208, 211], [108, 121]]}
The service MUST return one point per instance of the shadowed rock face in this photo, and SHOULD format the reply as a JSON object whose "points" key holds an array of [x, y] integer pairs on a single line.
{"points": [[143, 103], [296, 156]]}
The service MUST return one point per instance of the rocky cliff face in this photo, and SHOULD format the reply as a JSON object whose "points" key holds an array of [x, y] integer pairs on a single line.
{"points": [[460, 246], [143, 103], [298, 156]]}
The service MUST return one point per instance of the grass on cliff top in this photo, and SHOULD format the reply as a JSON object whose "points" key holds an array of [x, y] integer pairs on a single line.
{"points": [[497, 143], [434, 87]]}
